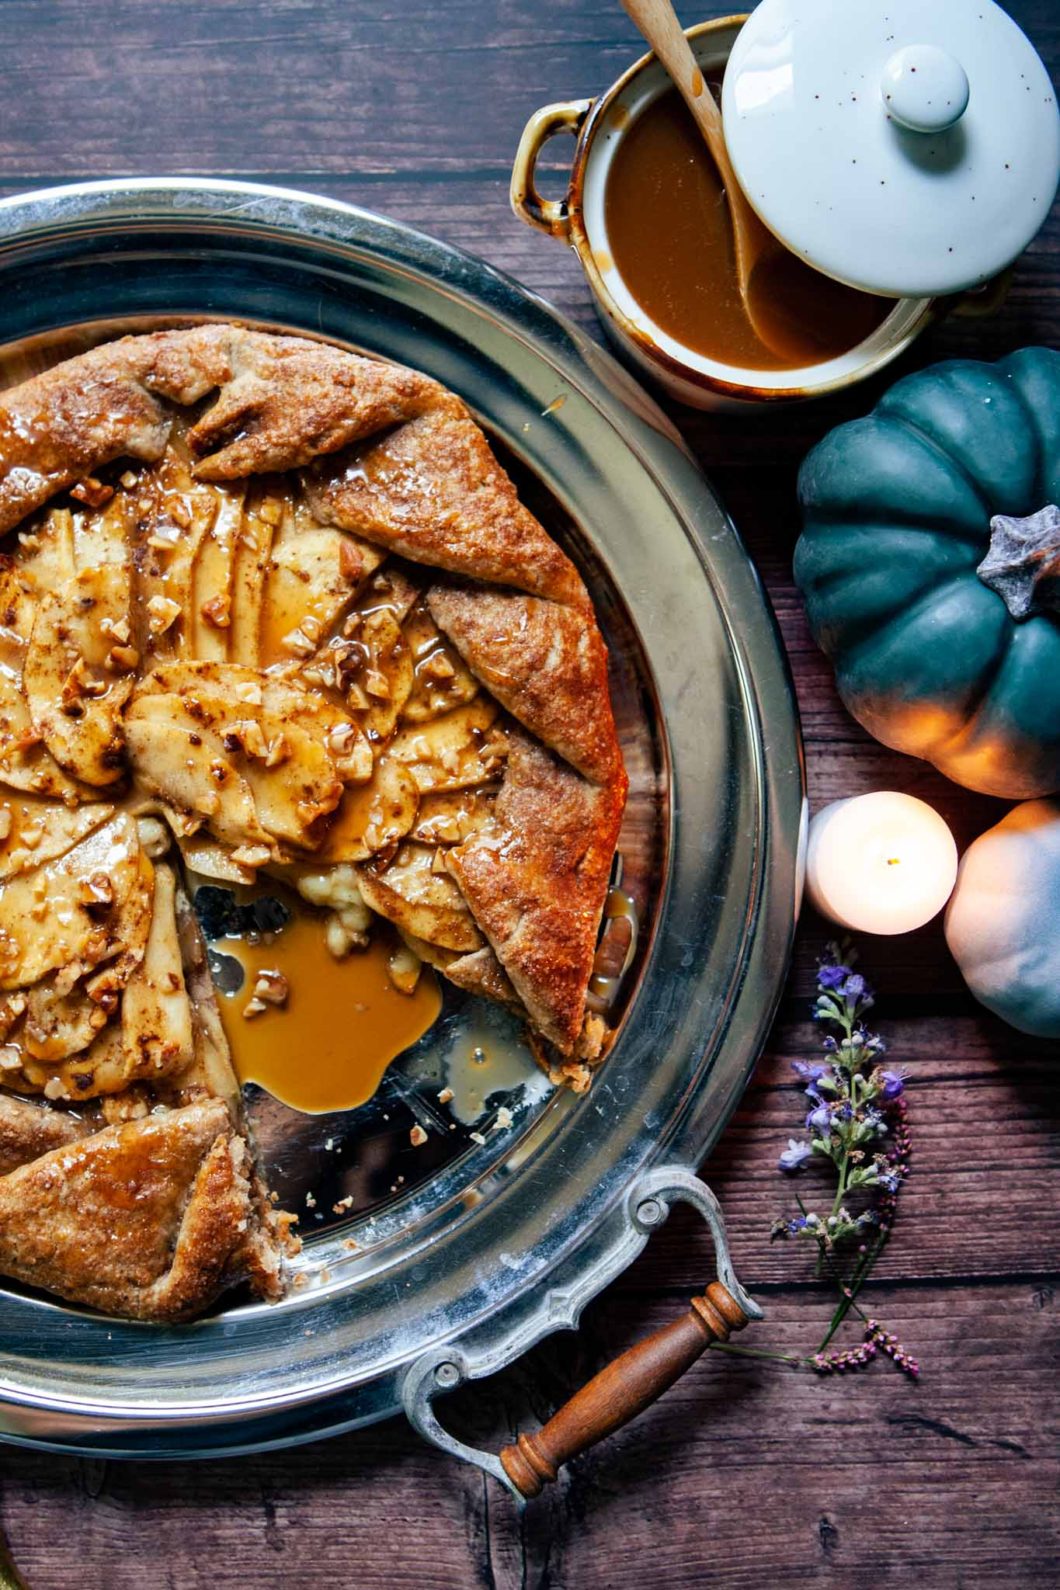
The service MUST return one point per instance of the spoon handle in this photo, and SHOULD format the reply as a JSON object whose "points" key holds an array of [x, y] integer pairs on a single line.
{"points": [[658, 22]]}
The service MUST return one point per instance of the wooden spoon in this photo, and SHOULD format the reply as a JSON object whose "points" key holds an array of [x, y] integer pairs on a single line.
{"points": [[758, 252]]}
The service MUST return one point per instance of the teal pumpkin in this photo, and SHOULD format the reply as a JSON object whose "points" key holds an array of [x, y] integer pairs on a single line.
{"points": [[930, 566], [1003, 919]]}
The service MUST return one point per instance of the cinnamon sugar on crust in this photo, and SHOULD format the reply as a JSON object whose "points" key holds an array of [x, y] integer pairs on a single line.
{"points": [[536, 880], [545, 662], [151, 1219]]}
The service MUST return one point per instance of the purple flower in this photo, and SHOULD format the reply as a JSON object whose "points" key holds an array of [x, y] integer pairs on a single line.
{"points": [[832, 976], [820, 1120], [853, 986], [795, 1155], [809, 1071], [889, 1180], [893, 1084]]}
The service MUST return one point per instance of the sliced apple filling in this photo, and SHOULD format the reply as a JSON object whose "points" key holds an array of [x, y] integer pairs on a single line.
{"points": [[248, 688]]}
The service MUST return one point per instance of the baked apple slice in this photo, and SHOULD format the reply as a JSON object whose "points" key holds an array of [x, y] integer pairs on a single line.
{"points": [[420, 897], [78, 672]]}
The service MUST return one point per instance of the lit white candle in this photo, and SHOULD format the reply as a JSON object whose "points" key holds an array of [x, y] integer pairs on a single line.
{"points": [[882, 863]]}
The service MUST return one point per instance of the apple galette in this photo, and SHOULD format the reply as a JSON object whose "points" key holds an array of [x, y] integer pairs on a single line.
{"points": [[267, 610]]}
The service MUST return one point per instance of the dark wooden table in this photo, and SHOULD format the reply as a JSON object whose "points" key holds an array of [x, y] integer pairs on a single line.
{"points": [[747, 1474]]}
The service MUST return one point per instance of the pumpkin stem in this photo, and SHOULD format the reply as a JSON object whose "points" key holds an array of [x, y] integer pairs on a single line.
{"points": [[1023, 564]]}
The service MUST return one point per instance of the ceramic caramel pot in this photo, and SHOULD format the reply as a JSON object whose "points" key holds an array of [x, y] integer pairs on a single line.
{"points": [[836, 120]]}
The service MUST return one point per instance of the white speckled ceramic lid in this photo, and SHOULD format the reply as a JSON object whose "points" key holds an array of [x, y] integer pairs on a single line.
{"points": [[908, 147]]}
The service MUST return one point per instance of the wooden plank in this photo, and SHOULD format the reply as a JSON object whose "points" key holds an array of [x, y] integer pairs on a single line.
{"points": [[744, 1475]]}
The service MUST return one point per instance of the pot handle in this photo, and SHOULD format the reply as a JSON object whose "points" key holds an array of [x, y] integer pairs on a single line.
{"points": [[621, 1390], [548, 215], [983, 302], [624, 1388]]}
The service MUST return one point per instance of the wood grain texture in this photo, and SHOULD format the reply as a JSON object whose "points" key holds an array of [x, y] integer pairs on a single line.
{"points": [[744, 1475]]}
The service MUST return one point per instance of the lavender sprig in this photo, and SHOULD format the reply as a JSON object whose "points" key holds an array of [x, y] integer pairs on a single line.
{"points": [[856, 1121]]}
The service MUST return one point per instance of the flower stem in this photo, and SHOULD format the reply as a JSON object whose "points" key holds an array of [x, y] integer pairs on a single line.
{"points": [[760, 1352]]}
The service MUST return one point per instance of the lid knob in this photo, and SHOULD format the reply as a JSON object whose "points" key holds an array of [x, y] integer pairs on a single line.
{"points": [[924, 88]]}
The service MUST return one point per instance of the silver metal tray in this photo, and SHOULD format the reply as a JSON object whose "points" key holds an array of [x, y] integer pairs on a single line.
{"points": [[450, 1264]]}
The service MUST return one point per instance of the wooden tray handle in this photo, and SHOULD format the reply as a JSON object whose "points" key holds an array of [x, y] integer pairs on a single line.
{"points": [[622, 1389]]}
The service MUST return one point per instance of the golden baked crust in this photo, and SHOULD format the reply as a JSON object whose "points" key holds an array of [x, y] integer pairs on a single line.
{"points": [[535, 879], [152, 1219], [312, 634]]}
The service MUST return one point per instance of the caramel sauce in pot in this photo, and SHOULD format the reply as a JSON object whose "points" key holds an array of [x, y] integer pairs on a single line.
{"points": [[670, 237]]}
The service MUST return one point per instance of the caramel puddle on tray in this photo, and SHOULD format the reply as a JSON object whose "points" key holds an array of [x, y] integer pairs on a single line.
{"points": [[488, 1059], [343, 1023]]}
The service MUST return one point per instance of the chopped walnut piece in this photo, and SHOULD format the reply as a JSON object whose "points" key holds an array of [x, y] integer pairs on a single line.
{"points": [[246, 735], [445, 1096], [164, 536], [438, 666], [10, 1057], [341, 739], [298, 643], [217, 612], [53, 1089], [251, 855], [270, 511], [254, 1007], [248, 691], [341, 936], [116, 629], [377, 684], [403, 968], [78, 683], [103, 989], [417, 1135], [120, 659], [162, 614], [92, 492], [351, 563], [153, 836], [96, 893], [277, 751], [208, 804], [271, 986]]}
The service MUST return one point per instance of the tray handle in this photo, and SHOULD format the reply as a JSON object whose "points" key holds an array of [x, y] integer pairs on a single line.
{"points": [[628, 1385], [624, 1388], [548, 215]]}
